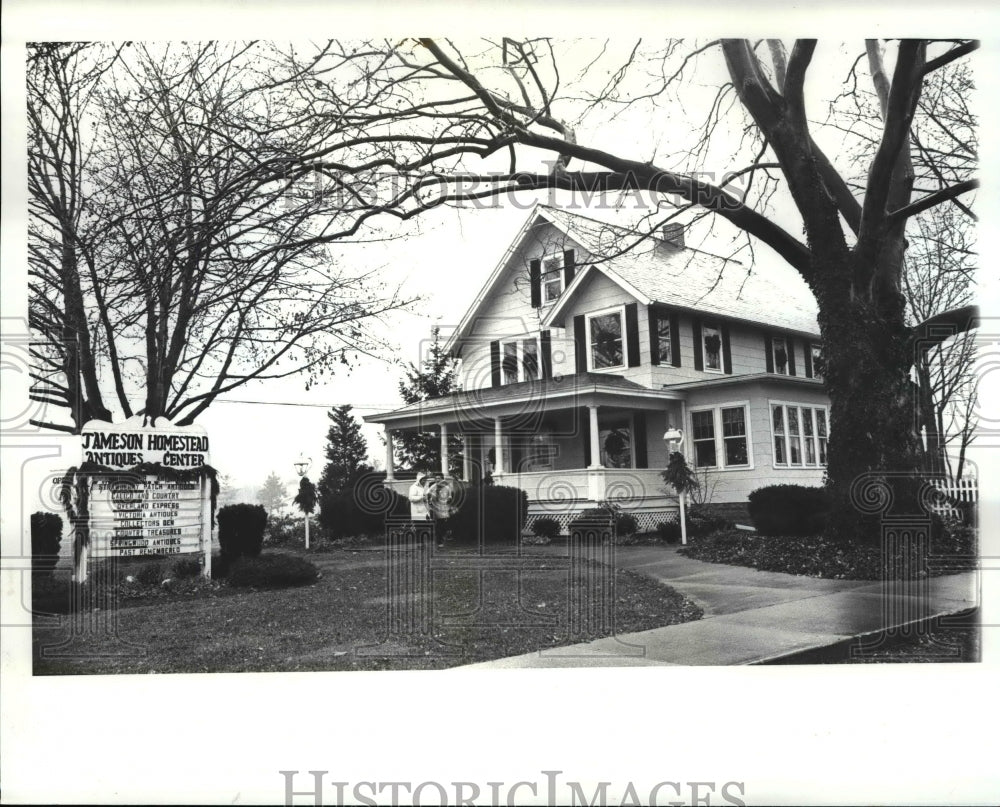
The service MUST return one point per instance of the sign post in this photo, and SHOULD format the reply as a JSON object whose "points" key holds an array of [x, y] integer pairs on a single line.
{"points": [[147, 491]]}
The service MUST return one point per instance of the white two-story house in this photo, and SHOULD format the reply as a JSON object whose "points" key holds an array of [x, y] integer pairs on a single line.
{"points": [[577, 357]]}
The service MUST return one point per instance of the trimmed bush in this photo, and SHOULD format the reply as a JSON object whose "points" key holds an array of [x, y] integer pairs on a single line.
{"points": [[360, 509], [545, 528], [669, 531], [272, 570], [285, 530], [794, 510], [701, 521], [241, 530], [491, 514], [46, 535]]}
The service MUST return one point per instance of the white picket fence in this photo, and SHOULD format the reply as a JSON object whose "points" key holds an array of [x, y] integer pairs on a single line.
{"points": [[965, 489]]}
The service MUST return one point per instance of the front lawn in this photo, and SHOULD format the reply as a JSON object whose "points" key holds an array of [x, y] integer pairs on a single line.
{"points": [[342, 621], [816, 556]]}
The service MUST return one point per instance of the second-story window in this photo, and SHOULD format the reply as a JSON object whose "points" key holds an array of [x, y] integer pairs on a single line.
{"points": [[779, 353], [712, 341], [662, 345], [817, 361], [552, 278], [605, 341], [519, 360]]}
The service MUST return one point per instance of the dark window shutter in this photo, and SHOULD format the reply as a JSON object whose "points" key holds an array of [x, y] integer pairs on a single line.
{"points": [[791, 355], [580, 337], [546, 340], [569, 266], [727, 354], [699, 347], [632, 333], [654, 340], [585, 431], [768, 353], [495, 378], [641, 460], [807, 352], [675, 340], [535, 274]]}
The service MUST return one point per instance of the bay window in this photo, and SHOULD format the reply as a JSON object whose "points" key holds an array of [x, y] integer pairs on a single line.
{"points": [[799, 435]]}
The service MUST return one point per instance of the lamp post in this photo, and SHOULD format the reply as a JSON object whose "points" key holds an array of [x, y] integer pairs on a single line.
{"points": [[673, 438], [302, 465]]}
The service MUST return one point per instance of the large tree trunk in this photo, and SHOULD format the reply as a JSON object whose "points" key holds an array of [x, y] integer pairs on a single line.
{"points": [[876, 453]]}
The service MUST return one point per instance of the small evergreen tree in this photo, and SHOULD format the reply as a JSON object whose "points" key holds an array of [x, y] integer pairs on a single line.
{"points": [[434, 378], [273, 494], [346, 451]]}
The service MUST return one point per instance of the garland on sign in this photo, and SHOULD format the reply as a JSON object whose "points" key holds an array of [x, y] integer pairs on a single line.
{"points": [[74, 494]]}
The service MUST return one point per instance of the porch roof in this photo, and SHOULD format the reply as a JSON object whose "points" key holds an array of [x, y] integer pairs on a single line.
{"points": [[563, 392], [722, 381]]}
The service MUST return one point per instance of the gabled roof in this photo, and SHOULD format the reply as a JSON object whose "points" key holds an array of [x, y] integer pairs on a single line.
{"points": [[771, 294]]}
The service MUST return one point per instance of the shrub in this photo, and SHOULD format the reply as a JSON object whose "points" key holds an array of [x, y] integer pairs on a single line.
{"points": [[669, 531], [285, 530], [272, 570], [360, 509], [593, 518], [151, 574], [187, 567], [626, 524], [545, 528], [490, 514], [241, 530], [794, 510], [701, 522], [46, 535]]}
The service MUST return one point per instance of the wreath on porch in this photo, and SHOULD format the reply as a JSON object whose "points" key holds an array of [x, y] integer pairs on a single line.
{"points": [[616, 444]]}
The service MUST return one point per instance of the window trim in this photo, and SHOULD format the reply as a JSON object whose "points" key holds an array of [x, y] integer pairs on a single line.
{"points": [[716, 325], [518, 342], [800, 405], [720, 448], [620, 311], [543, 273]]}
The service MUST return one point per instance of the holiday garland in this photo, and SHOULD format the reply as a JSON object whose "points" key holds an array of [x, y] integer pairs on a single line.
{"points": [[75, 491]]}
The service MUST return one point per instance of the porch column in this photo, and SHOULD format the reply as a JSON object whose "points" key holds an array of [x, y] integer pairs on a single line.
{"points": [[498, 446], [389, 459], [444, 449], [595, 439], [467, 456]]}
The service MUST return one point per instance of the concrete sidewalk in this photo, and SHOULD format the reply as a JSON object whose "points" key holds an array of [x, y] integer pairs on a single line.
{"points": [[753, 616]]}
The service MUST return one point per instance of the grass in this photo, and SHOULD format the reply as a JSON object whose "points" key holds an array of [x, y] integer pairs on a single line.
{"points": [[341, 622], [816, 556]]}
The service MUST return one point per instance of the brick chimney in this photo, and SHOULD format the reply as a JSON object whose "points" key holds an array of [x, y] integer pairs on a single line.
{"points": [[673, 234]]}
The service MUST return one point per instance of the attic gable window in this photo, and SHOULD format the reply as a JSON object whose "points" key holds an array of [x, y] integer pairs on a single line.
{"points": [[552, 278], [605, 339]]}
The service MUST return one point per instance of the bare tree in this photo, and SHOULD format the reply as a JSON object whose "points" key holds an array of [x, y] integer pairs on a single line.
{"points": [[424, 112], [174, 245]]}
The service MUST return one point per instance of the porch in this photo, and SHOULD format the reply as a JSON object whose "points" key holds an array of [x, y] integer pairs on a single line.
{"points": [[569, 445]]}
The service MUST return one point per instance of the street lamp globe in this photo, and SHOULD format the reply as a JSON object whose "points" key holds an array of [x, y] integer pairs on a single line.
{"points": [[302, 464]]}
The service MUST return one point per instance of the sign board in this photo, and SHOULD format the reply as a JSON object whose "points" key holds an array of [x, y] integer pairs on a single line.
{"points": [[125, 445], [135, 510]]}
